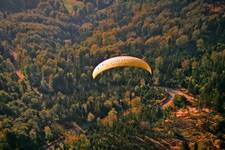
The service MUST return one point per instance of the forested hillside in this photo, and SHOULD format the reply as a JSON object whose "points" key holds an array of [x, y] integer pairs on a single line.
{"points": [[49, 48], [17, 5]]}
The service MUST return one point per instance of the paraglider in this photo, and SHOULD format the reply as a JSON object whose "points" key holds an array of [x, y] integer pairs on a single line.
{"points": [[120, 61]]}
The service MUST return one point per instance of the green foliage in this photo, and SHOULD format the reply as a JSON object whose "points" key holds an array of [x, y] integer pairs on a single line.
{"points": [[55, 45], [182, 41], [220, 128], [180, 101], [107, 137]]}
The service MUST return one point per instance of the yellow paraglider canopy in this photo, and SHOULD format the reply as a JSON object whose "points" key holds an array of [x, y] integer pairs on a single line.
{"points": [[120, 61]]}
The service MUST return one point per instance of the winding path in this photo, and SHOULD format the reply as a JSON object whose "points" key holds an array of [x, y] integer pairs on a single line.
{"points": [[168, 101]]}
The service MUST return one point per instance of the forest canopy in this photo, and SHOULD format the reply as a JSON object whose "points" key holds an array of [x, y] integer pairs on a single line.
{"points": [[49, 49]]}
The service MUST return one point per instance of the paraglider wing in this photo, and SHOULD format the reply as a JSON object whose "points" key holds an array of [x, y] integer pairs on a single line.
{"points": [[120, 61]]}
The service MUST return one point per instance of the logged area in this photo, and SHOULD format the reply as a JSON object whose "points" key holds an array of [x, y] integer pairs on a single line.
{"points": [[112, 74]]}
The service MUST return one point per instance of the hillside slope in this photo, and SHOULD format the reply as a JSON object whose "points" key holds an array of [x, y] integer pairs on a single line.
{"points": [[49, 48], [17, 5]]}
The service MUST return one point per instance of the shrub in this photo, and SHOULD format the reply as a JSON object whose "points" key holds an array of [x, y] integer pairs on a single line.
{"points": [[180, 101]]}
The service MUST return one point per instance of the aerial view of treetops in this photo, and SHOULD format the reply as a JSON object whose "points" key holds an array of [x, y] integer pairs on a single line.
{"points": [[112, 74]]}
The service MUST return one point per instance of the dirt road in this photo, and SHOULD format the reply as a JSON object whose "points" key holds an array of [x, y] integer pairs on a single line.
{"points": [[168, 101]]}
